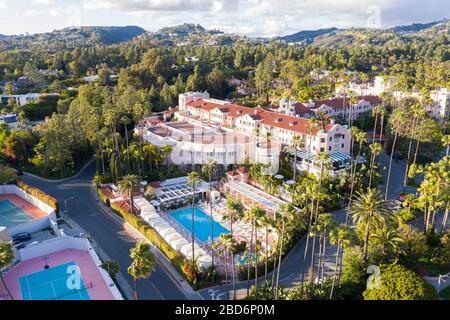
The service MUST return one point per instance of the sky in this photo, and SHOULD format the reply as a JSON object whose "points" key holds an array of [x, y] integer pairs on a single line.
{"points": [[250, 17]]}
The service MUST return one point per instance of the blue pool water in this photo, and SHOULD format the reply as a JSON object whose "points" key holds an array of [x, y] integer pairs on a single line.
{"points": [[202, 223], [58, 283], [11, 215]]}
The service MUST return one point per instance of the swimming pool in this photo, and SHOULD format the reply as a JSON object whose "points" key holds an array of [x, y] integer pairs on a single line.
{"points": [[62, 282], [11, 215], [202, 223]]}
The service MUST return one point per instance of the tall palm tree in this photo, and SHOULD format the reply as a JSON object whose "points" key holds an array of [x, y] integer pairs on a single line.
{"points": [[325, 223], [418, 112], [370, 210], [286, 213], [375, 150], [361, 137], [446, 144], [144, 262], [342, 236], [266, 221], [311, 126], [193, 182], [225, 247], [252, 216], [297, 143], [209, 169], [235, 210], [6, 260], [128, 185], [375, 114]]}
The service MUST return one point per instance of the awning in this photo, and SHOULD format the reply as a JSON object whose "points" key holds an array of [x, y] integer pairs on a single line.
{"points": [[339, 157], [303, 154]]}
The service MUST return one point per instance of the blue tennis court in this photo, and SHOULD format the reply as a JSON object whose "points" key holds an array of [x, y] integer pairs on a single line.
{"points": [[55, 283]]}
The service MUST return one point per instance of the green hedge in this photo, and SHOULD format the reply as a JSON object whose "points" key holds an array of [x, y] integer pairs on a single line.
{"points": [[39, 194]]}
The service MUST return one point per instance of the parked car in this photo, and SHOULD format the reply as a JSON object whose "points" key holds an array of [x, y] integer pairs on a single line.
{"points": [[20, 246], [22, 237], [81, 235], [32, 244]]}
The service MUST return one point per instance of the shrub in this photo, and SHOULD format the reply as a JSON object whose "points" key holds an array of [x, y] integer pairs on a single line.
{"points": [[399, 283], [39, 194], [103, 197]]}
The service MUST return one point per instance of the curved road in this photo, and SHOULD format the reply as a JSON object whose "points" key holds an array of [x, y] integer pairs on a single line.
{"points": [[109, 234]]}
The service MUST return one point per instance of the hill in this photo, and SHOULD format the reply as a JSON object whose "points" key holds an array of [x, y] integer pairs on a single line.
{"points": [[308, 35], [72, 37]]}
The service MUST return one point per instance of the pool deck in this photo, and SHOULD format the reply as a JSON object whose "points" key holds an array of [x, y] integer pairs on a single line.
{"points": [[32, 210], [88, 270]]}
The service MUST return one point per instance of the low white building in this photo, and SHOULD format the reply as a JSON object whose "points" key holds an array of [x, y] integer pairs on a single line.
{"points": [[23, 99]]}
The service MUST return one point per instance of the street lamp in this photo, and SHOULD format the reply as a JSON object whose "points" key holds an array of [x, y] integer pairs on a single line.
{"points": [[443, 278], [65, 203]]}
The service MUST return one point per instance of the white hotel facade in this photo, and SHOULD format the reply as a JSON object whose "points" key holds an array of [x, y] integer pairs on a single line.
{"points": [[207, 128]]}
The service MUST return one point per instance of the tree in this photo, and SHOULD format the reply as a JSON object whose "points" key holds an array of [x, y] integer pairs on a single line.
{"points": [[399, 283], [144, 262], [446, 143], [297, 143], [127, 186], [193, 182], [361, 137], [370, 210], [225, 247], [209, 169], [263, 77], [342, 236], [112, 267], [7, 174], [252, 216], [375, 150], [6, 260], [167, 150]]}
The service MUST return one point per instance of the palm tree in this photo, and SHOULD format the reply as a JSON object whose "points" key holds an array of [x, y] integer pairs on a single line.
{"points": [[311, 126], [375, 149], [397, 119], [361, 137], [225, 247], [375, 114], [370, 210], [325, 223], [6, 260], [353, 131], [418, 112], [167, 150], [193, 182], [286, 212], [235, 210], [297, 143], [342, 236], [446, 144], [208, 169], [266, 221], [127, 186], [323, 120], [144, 262], [252, 216], [389, 240]]}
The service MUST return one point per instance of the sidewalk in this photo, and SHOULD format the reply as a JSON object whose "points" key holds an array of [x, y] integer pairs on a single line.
{"points": [[165, 263]]}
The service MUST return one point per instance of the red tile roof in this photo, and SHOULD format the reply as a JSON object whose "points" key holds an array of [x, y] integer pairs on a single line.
{"points": [[267, 118], [338, 103]]}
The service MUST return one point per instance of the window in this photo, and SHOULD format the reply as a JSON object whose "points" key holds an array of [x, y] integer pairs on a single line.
{"points": [[342, 146], [322, 149], [322, 140], [331, 139], [329, 148]]}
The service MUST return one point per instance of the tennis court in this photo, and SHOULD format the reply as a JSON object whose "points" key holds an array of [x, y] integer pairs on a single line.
{"points": [[62, 282]]}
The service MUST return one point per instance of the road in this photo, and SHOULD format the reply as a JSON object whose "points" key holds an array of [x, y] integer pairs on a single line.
{"points": [[110, 235]]}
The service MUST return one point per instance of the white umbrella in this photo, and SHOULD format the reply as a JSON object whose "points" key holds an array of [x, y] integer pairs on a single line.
{"points": [[205, 261], [186, 250], [166, 232], [162, 227], [178, 243], [172, 236], [155, 221]]}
